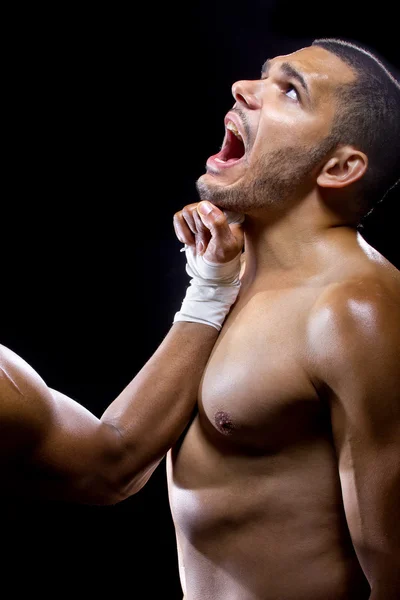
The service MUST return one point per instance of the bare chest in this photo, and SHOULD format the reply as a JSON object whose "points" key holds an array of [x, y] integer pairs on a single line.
{"points": [[256, 390]]}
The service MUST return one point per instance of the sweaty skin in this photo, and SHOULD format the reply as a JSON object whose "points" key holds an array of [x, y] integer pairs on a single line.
{"points": [[283, 487], [256, 497]]}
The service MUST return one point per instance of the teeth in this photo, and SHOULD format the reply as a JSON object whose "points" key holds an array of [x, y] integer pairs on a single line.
{"points": [[232, 127]]}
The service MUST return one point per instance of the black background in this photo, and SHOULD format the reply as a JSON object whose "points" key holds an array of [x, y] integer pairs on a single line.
{"points": [[111, 115]]}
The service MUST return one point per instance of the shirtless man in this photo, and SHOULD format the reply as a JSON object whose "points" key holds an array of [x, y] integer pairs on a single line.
{"points": [[286, 483]]}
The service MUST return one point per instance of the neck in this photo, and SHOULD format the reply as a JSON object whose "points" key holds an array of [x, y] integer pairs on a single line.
{"points": [[296, 245]]}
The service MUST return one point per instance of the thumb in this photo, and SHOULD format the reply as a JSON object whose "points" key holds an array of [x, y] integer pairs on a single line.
{"points": [[209, 214]]}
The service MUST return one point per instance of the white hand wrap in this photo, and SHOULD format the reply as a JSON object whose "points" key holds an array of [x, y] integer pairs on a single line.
{"points": [[212, 290]]}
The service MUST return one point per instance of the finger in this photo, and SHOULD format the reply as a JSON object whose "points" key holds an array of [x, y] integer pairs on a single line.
{"points": [[182, 231], [203, 234], [226, 241], [187, 213], [184, 225]]}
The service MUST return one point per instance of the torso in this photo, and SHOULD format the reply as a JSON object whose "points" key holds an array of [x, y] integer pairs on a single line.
{"points": [[253, 484]]}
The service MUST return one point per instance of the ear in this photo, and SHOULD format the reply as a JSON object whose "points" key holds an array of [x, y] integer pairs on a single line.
{"points": [[344, 168]]}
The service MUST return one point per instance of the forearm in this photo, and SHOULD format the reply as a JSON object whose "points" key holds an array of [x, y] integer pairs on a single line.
{"points": [[153, 410]]}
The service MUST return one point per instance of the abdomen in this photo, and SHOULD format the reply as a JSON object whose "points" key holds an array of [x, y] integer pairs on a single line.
{"points": [[257, 527]]}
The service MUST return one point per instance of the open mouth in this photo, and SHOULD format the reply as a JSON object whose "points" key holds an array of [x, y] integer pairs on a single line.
{"points": [[233, 148]]}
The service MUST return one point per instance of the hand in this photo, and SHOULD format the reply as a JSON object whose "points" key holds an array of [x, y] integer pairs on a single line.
{"points": [[205, 227], [213, 249]]}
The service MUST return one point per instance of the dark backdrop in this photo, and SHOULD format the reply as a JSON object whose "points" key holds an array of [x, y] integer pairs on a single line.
{"points": [[111, 115]]}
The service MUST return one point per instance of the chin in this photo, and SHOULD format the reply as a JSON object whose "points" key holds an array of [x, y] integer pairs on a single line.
{"points": [[208, 189], [225, 196]]}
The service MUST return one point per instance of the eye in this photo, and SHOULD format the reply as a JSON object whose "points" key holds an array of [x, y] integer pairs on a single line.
{"points": [[291, 92]]}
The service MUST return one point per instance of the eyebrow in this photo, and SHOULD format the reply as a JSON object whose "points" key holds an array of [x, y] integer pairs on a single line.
{"points": [[288, 70]]}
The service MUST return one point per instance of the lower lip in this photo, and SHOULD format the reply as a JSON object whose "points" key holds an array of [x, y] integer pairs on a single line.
{"points": [[218, 165]]}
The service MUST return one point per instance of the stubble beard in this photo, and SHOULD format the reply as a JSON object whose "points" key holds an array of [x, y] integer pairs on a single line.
{"points": [[273, 180]]}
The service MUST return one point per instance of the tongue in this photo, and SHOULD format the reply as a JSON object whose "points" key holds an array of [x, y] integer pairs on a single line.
{"points": [[232, 150]]}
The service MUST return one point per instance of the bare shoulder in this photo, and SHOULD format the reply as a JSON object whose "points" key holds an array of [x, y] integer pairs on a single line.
{"points": [[355, 322], [367, 294], [25, 402]]}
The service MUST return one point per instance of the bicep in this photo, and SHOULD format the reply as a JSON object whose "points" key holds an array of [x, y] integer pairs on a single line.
{"points": [[78, 454], [50, 445]]}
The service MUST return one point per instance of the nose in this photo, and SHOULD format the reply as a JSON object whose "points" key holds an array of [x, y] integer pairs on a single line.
{"points": [[245, 93]]}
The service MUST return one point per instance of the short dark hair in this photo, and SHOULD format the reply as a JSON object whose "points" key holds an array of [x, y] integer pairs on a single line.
{"points": [[368, 117]]}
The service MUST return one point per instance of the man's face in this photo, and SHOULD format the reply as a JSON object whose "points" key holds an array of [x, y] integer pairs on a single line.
{"points": [[275, 133]]}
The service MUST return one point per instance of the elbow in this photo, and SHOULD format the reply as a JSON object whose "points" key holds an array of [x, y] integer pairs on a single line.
{"points": [[117, 491], [125, 489], [119, 485], [106, 492], [124, 471]]}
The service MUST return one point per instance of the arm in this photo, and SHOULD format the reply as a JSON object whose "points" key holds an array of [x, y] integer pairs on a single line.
{"points": [[65, 452], [355, 341]]}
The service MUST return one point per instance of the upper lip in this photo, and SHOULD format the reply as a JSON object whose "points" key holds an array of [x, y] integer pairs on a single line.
{"points": [[233, 117]]}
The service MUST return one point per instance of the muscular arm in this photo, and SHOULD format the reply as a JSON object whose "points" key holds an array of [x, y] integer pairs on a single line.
{"points": [[51, 446], [67, 453], [355, 339]]}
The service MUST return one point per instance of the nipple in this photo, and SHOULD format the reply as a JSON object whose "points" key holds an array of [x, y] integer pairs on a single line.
{"points": [[224, 423]]}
